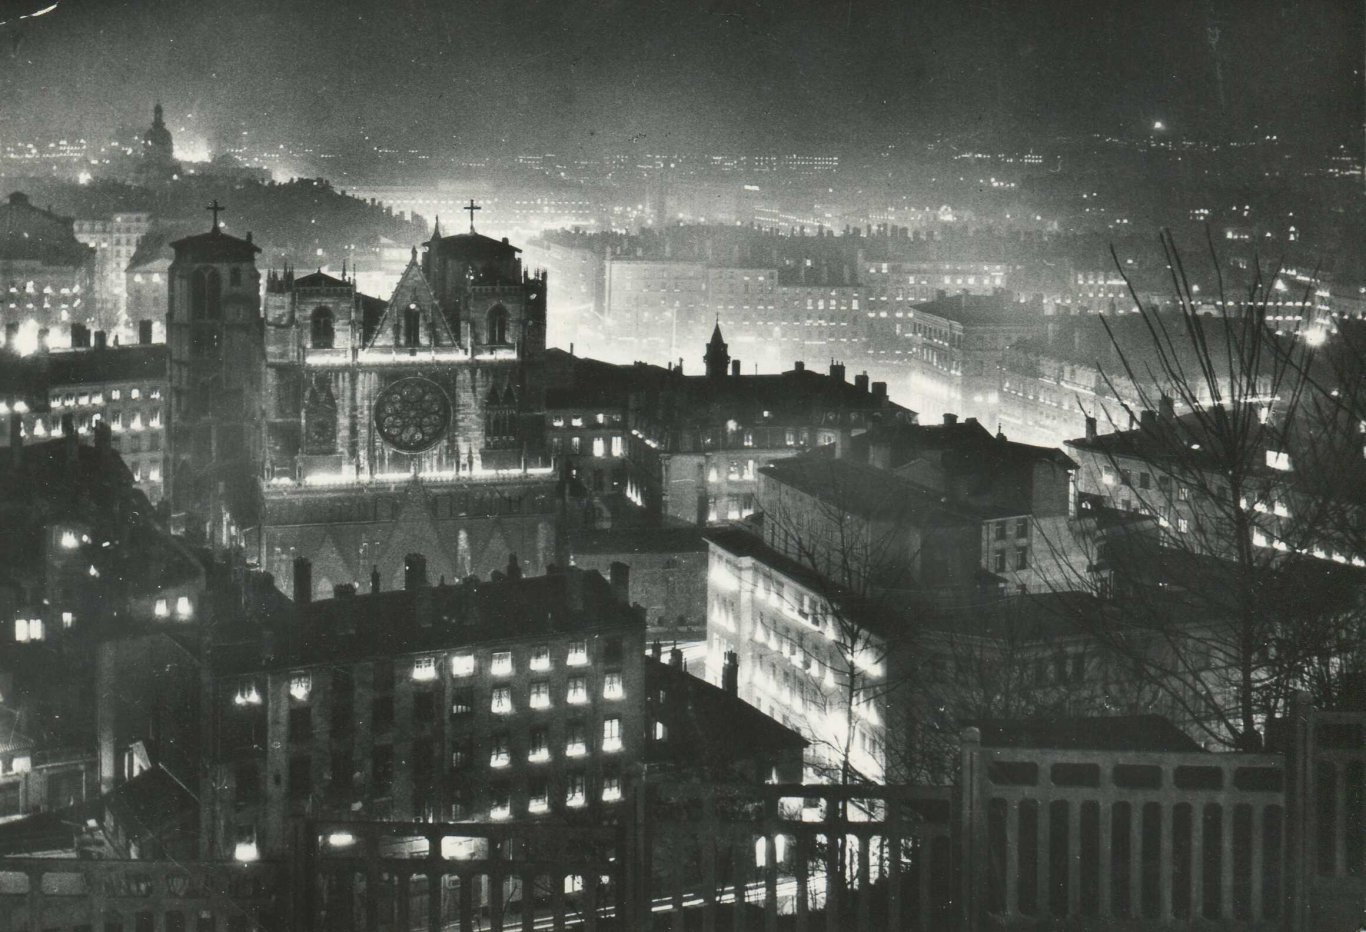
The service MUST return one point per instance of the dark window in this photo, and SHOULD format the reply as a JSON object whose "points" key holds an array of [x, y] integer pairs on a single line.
{"points": [[384, 676], [382, 712], [246, 782], [424, 758], [424, 706], [1145, 481], [611, 650], [1001, 530], [300, 777], [383, 760], [1001, 561], [462, 754], [462, 702], [412, 326], [497, 324], [1021, 558], [235, 277], [301, 724], [343, 770], [206, 291], [321, 328], [1022, 527]]}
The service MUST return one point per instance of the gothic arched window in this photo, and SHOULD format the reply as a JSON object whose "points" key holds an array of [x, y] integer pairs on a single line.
{"points": [[412, 326], [321, 331], [206, 292], [497, 331]]}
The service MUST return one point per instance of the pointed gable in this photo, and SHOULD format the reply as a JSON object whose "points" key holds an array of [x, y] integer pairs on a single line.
{"points": [[412, 305]]}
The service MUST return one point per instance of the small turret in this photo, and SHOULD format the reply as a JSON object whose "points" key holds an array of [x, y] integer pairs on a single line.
{"points": [[717, 358]]}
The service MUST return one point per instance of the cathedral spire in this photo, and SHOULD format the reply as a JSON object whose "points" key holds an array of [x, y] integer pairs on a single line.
{"points": [[717, 357], [436, 228]]}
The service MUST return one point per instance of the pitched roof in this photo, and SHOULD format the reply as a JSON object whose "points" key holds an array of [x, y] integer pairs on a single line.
{"points": [[140, 363], [1097, 733], [215, 246]]}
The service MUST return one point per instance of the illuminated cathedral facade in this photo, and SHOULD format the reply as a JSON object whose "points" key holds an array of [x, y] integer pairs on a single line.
{"points": [[386, 427]]}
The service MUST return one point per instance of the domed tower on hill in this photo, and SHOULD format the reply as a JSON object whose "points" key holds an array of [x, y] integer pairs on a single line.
{"points": [[158, 149], [215, 333]]}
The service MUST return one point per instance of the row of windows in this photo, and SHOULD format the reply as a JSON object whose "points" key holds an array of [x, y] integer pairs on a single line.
{"points": [[577, 420], [599, 446], [81, 399]]}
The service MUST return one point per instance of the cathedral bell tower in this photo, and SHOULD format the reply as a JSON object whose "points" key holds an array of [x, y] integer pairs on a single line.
{"points": [[717, 357], [216, 341]]}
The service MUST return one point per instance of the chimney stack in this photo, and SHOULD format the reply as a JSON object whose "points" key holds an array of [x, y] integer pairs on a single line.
{"points": [[676, 657], [101, 340], [620, 574], [414, 571], [1166, 406], [950, 419], [1147, 419], [880, 391], [735, 367], [797, 366], [303, 580], [144, 333], [730, 673], [1090, 427], [656, 649], [837, 370], [374, 579], [861, 382]]}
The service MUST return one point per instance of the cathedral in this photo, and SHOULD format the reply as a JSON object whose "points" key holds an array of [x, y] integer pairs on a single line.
{"points": [[378, 428]]}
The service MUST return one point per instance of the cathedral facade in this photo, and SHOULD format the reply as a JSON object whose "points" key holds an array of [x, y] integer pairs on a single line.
{"points": [[407, 425]]}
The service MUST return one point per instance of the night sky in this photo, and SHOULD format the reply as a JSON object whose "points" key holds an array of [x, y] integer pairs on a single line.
{"points": [[664, 75]]}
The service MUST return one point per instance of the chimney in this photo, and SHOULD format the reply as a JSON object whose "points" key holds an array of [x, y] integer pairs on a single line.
{"points": [[1090, 427], [880, 391], [101, 339], [730, 673], [303, 580], [1166, 407], [1147, 419], [414, 571], [837, 370], [620, 574], [950, 419], [145, 332], [797, 366], [374, 579], [735, 367], [861, 382], [676, 657], [656, 649]]}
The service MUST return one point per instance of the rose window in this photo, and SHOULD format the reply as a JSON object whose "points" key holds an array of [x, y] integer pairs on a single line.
{"points": [[412, 414]]}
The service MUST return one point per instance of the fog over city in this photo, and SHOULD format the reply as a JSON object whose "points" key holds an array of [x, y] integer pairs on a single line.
{"points": [[713, 465]]}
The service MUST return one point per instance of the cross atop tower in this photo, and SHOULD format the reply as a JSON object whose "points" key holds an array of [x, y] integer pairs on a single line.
{"points": [[216, 209], [470, 208]]}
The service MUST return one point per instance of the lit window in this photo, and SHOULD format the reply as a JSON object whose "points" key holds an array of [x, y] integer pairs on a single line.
{"points": [[1182, 524], [247, 694], [246, 849], [538, 799], [115, 395], [578, 690], [68, 619], [611, 788], [557, 421], [498, 751], [540, 695], [462, 664], [502, 806], [162, 608], [611, 734], [576, 744], [1278, 459], [69, 540], [300, 686], [182, 607], [539, 751], [578, 654], [611, 686], [424, 669], [617, 446], [599, 447], [28, 629], [502, 700], [540, 658], [574, 798], [502, 663], [135, 394]]}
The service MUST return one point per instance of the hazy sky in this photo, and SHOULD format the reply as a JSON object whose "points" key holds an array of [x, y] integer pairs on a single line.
{"points": [[670, 74]]}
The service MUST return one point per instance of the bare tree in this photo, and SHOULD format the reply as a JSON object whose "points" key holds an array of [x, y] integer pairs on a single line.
{"points": [[1233, 502]]}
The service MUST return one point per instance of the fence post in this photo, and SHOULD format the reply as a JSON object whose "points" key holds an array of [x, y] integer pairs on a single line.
{"points": [[971, 829], [1298, 781]]}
